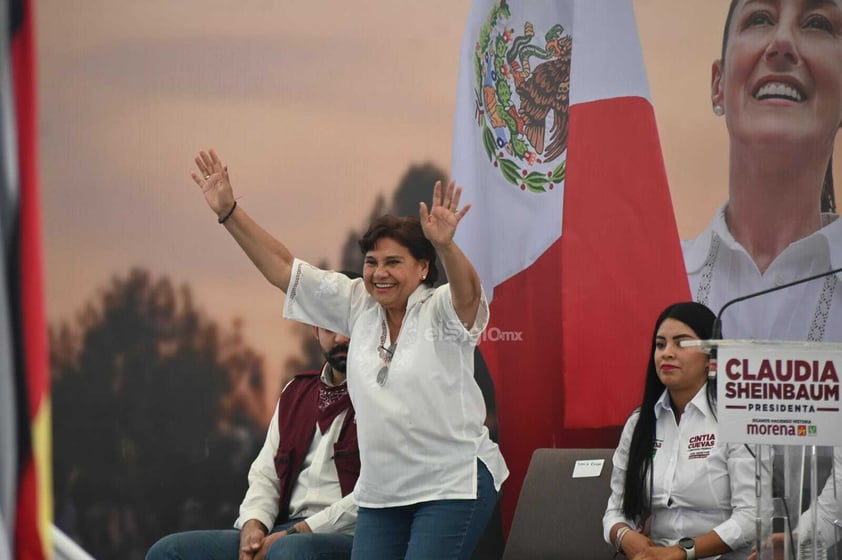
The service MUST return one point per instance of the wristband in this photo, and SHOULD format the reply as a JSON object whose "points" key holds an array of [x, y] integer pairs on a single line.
{"points": [[618, 540], [228, 215]]}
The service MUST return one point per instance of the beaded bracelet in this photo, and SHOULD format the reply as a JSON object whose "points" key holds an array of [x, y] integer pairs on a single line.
{"points": [[618, 541], [228, 215]]}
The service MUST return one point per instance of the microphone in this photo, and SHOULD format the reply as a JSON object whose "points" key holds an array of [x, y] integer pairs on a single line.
{"points": [[716, 331]]}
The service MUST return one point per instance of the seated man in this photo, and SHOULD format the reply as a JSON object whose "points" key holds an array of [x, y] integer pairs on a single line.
{"points": [[301, 482]]}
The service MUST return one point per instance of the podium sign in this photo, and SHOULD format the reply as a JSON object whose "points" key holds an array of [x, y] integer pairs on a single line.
{"points": [[779, 393]]}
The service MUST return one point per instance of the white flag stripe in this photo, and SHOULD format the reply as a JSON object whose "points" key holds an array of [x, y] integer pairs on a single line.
{"points": [[5, 540], [8, 419], [607, 59], [499, 222]]}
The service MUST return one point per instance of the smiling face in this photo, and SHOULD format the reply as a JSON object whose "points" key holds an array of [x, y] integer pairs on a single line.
{"points": [[781, 77], [391, 273], [679, 369]]}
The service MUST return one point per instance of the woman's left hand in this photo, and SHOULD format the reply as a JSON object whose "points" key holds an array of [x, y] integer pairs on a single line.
{"points": [[439, 223]]}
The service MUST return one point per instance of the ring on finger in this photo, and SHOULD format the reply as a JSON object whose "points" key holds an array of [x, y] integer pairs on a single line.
{"points": [[207, 177]]}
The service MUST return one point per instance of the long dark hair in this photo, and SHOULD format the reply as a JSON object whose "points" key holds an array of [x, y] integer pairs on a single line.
{"points": [[639, 468], [827, 198]]}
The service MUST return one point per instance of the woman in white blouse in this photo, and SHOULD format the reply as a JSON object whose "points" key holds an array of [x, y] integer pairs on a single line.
{"points": [[430, 475], [676, 491]]}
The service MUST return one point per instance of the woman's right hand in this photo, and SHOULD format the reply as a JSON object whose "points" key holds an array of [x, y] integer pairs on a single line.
{"points": [[212, 178], [634, 543]]}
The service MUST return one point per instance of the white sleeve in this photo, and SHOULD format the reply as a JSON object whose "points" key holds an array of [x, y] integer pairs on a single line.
{"points": [[323, 298], [261, 501], [738, 530], [614, 510], [446, 313], [339, 517]]}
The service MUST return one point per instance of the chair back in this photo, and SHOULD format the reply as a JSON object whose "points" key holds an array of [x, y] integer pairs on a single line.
{"points": [[557, 516]]}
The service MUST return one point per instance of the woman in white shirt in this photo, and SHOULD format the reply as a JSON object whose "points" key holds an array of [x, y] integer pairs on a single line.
{"points": [[677, 492], [430, 475]]}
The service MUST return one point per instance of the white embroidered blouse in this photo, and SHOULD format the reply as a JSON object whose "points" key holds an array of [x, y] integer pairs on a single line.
{"points": [[421, 432]]}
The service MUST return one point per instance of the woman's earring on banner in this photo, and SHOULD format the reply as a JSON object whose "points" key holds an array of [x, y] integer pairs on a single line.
{"points": [[718, 110]]}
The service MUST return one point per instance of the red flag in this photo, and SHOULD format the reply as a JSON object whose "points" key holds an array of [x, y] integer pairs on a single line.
{"points": [[572, 228], [25, 326]]}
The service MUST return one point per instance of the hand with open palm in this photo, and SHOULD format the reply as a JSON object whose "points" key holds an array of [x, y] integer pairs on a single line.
{"points": [[212, 177], [439, 223]]}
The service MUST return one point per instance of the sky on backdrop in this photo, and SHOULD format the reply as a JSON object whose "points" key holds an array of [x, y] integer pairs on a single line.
{"points": [[316, 107]]}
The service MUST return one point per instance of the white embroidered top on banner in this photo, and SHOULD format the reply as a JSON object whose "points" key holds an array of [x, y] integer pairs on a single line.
{"points": [[720, 269]]}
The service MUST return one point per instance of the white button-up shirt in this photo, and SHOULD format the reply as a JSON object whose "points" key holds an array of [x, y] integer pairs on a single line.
{"points": [[421, 432], [316, 494], [699, 484], [720, 269]]}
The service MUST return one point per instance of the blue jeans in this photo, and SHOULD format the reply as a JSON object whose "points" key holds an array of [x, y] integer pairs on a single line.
{"points": [[225, 545], [437, 530]]}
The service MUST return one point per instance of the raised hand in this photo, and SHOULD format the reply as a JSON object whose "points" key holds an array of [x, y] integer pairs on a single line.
{"points": [[212, 177], [439, 223]]}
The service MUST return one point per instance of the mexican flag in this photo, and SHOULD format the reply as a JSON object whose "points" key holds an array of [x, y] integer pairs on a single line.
{"points": [[572, 228], [25, 462]]}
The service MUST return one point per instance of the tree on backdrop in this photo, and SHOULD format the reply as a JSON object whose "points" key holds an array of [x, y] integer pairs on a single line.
{"points": [[154, 409]]}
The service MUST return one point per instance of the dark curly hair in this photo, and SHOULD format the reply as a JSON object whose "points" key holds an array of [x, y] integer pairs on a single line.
{"points": [[407, 231]]}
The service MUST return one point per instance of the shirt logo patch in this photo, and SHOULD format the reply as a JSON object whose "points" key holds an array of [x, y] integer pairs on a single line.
{"points": [[700, 446]]}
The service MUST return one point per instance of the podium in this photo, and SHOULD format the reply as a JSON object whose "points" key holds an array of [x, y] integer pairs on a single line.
{"points": [[783, 401]]}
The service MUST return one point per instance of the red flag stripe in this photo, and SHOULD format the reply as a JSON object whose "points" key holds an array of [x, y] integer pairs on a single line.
{"points": [[34, 499], [622, 258], [32, 290]]}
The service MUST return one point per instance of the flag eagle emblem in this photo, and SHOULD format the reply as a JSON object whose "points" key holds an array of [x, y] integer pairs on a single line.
{"points": [[522, 99]]}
